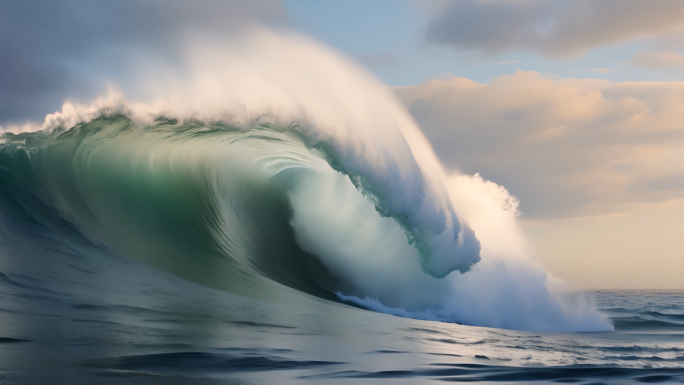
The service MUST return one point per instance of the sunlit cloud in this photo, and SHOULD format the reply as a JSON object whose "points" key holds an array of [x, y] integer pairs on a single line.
{"points": [[565, 147]]}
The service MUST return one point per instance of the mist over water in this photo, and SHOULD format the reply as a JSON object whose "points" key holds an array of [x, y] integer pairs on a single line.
{"points": [[272, 160]]}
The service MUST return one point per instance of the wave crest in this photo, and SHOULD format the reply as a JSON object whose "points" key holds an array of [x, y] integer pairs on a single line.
{"points": [[308, 173]]}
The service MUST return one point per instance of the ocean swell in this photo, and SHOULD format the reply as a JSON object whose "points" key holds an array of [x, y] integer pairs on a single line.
{"points": [[252, 178]]}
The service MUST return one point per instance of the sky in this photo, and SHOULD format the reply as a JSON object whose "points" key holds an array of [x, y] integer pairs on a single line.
{"points": [[576, 107]]}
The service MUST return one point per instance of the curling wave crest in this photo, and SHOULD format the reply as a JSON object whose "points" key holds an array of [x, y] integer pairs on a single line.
{"points": [[307, 177]]}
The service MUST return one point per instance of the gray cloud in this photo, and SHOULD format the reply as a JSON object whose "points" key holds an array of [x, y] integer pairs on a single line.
{"points": [[658, 60], [52, 50], [551, 27]]}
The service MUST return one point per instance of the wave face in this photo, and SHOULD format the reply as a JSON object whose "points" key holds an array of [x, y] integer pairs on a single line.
{"points": [[241, 209], [304, 180]]}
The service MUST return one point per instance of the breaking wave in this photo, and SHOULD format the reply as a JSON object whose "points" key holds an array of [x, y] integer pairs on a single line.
{"points": [[306, 177]]}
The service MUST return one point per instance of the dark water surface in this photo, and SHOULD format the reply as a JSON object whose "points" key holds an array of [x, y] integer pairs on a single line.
{"points": [[118, 321]]}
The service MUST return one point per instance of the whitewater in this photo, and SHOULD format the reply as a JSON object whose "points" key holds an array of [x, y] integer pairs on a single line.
{"points": [[232, 216]]}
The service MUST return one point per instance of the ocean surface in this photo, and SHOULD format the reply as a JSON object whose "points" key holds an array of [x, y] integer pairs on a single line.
{"points": [[185, 253]]}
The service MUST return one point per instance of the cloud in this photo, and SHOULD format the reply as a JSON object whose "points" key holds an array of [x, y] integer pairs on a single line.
{"points": [[601, 71], [658, 60], [565, 147], [52, 50], [551, 27]]}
